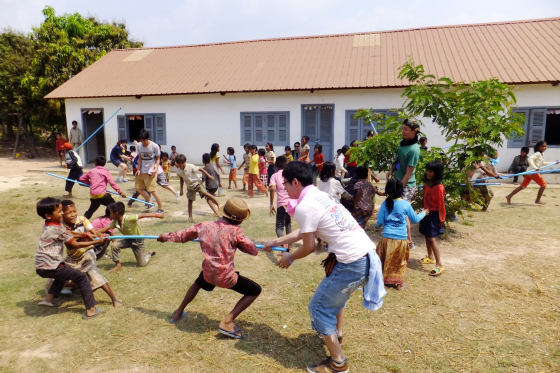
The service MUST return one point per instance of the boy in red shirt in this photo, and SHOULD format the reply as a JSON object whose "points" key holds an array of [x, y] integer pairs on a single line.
{"points": [[59, 145]]}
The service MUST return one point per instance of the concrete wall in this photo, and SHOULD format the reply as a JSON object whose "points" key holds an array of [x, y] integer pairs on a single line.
{"points": [[194, 122]]}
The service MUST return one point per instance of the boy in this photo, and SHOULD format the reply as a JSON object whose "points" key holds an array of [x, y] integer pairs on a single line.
{"points": [[74, 163], [213, 184], [28, 154], [187, 174], [84, 259], [254, 174], [283, 220], [60, 141], [48, 260], [245, 164], [173, 155], [219, 240], [148, 163], [97, 178], [288, 153], [127, 225]]}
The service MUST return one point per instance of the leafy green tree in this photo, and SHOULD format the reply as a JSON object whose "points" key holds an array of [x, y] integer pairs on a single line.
{"points": [[476, 117]]}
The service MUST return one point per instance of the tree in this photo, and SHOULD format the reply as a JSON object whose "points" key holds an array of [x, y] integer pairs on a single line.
{"points": [[476, 117]]}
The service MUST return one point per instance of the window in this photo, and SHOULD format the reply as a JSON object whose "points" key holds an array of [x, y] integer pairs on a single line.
{"points": [[540, 124], [261, 127], [357, 129], [130, 125]]}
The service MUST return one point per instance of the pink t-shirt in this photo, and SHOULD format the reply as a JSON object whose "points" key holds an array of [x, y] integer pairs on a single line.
{"points": [[102, 222], [282, 196]]}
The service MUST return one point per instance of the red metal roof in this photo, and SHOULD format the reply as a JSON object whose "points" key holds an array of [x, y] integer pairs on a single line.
{"points": [[518, 52]]}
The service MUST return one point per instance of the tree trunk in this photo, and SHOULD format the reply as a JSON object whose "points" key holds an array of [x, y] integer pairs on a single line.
{"points": [[20, 117], [30, 135]]}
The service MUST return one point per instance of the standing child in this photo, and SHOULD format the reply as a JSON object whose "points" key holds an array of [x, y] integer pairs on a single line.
{"points": [[232, 167], [393, 249], [49, 262], [304, 155], [288, 153], [165, 165], [254, 173], [434, 202], [97, 178], [59, 145], [263, 172], [212, 184], [173, 155], [283, 219], [245, 164], [330, 185], [127, 225], [219, 241], [363, 197], [74, 163], [215, 157], [318, 162], [187, 174], [270, 160], [536, 161]]}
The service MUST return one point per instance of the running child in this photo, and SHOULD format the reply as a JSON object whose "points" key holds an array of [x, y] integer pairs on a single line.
{"points": [[393, 249], [431, 225], [73, 162], [245, 164], [163, 176], [254, 174], [263, 172], [364, 197], [219, 241], [283, 219], [318, 162], [212, 184], [536, 161], [97, 178], [232, 167], [49, 261], [127, 225], [188, 174]]}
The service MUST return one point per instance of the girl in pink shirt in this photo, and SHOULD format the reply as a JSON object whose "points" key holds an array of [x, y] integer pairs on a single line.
{"points": [[263, 174]]}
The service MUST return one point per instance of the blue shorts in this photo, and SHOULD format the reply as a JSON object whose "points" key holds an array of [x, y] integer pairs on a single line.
{"points": [[333, 293], [116, 162]]}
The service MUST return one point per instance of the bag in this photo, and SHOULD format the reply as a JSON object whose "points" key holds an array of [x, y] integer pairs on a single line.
{"points": [[329, 263]]}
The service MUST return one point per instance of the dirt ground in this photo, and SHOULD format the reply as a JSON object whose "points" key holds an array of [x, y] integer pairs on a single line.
{"points": [[496, 308]]}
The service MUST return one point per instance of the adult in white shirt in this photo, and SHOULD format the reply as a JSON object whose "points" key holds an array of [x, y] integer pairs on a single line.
{"points": [[356, 262], [75, 137]]}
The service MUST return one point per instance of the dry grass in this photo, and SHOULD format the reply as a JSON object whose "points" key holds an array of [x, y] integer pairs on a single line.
{"points": [[495, 309]]}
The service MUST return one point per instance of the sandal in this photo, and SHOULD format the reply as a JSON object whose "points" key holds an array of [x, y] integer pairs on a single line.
{"points": [[233, 334], [175, 322], [427, 260], [48, 304], [436, 271]]}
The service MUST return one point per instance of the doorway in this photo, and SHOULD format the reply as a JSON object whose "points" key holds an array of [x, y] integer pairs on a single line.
{"points": [[317, 123], [92, 119]]}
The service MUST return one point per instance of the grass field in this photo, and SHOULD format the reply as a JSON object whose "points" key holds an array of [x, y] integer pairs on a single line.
{"points": [[495, 309]]}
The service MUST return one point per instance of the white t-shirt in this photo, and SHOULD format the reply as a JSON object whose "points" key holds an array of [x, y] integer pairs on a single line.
{"points": [[333, 188], [189, 175], [332, 223], [339, 163], [148, 155]]}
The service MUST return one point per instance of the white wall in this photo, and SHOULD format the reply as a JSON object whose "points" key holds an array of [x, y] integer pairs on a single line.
{"points": [[194, 122]]}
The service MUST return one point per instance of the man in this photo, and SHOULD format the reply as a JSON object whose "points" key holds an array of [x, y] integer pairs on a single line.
{"points": [[148, 163], [408, 154], [75, 135], [296, 151], [352, 258]]}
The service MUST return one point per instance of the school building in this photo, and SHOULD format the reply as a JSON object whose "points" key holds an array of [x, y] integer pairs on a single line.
{"points": [[277, 90]]}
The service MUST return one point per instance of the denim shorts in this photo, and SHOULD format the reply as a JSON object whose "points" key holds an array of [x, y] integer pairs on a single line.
{"points": [[333, 293]]}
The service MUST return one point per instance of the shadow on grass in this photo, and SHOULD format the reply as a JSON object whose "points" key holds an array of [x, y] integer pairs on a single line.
{"points": [[260, 339], [32, 308]]}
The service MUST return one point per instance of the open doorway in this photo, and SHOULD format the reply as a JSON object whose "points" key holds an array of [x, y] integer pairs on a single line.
{"points": [[92, 119], [135, 125]]}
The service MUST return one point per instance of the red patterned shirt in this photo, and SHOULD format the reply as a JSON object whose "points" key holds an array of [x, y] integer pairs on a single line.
{"points": [[218, 241]]}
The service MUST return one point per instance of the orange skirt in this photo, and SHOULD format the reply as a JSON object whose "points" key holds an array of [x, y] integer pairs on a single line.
{"points": [[232, 174], [394, 256]]}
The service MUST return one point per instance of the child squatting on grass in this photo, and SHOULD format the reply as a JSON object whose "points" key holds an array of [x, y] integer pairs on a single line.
{"points": [[49, 262], [219, 240]]}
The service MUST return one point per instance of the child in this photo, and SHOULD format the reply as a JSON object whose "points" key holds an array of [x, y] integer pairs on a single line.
{"points": [[318, 161], [232, 167], [484, 170], [28, 154], [434, 202], [60, 141], [73, 162], [270, 160], [215, 157], [245, 164], [263, 172], [212, 184], [100, 223], [330, 185], [254, 174], [165, 165], [339, 162], [288, 153], [536, 161], [423, 143], [304, 155], [393, 248], [520, 163], [97, 178], [148, 163], [187, 174], [127, 225], [364, 197], [133, 153], [85, 259], [283, 219], [163, 181], [173, 155], [48, 260], [219, 240]]}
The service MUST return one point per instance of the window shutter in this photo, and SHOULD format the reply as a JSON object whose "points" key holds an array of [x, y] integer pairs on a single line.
{"points": [[282, 129], [352, 127], [149, 126], [271, 128], [121, 125], [310, 119], [160, 130], [537, 125], [520, 141], [259, 129], [247, 129], [325, 117]]}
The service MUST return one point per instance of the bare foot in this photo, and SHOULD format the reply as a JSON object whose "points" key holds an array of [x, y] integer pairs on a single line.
{"points": [[151, 252], [508, 199], [116, 269], [515, 183], [540, 203], [250, 197], [117, 303], [229, 187], [190, 219], [401, 286], [68, 196]]}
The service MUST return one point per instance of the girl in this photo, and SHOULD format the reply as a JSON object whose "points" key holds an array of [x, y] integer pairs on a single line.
{"points": [[364, 197], [270, 159], [330, 185], [318, 161], [232, 167], [165, 165], [351, 166], [163, 178], [434, 202], [263, 176], [215, 157], [304, 155], [393, 248], [536, 161]]}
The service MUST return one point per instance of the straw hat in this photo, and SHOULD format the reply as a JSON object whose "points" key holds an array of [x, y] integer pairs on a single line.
{"points": [[235, 209]]}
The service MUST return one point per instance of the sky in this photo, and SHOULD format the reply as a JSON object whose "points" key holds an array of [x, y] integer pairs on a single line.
{"points": [[164, 22]]}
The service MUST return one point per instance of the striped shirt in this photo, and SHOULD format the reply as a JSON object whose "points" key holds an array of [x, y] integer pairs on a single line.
{"points": [[51, 246]]}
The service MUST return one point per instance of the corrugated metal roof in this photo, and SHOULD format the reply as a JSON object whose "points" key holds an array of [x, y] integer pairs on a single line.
{"points": [[515, 52]]}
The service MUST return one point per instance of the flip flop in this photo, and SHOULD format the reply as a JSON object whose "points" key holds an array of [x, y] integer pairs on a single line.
{"points": [[98, 311], [175, 322], [232, 334], [48, 304], [427, 260], [436, 271]]}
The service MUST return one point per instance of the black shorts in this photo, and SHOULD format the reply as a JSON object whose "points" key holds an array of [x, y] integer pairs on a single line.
{"points": [[244, 286]]}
